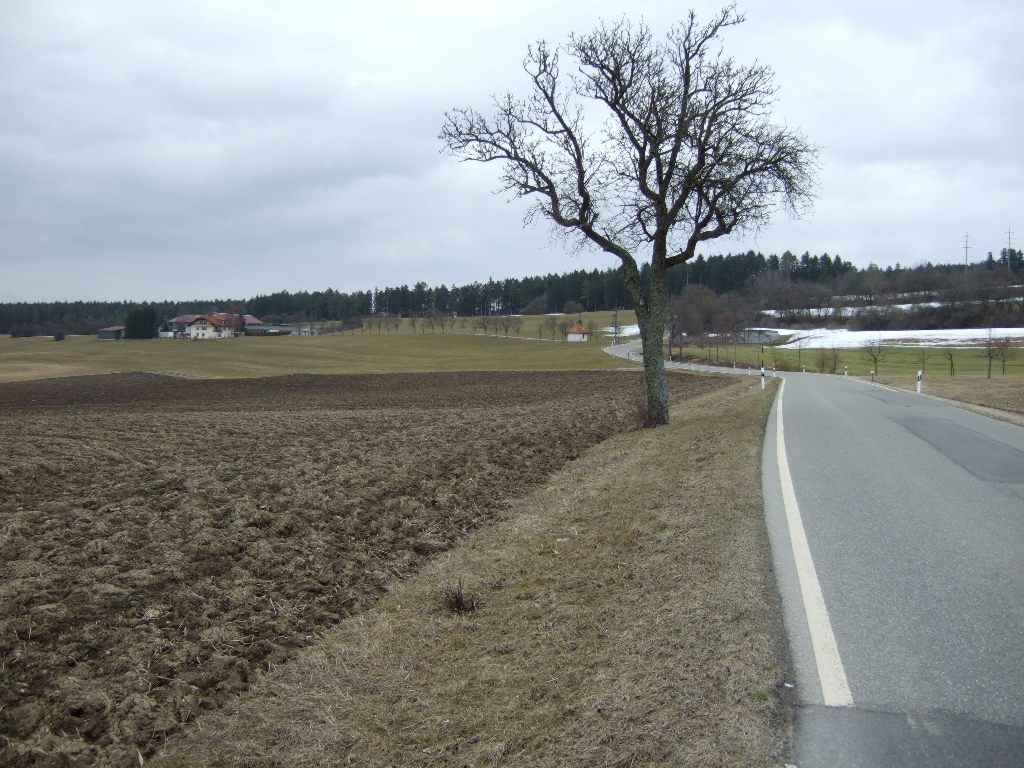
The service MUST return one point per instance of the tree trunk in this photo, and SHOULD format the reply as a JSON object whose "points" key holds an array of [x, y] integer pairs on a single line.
{"points": [[652, 332], [651, 316]]}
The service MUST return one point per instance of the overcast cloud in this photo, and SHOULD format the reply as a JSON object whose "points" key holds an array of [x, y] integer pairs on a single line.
{"points": [[224, 149]]}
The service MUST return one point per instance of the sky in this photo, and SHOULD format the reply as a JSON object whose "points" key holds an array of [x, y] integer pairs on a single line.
{"points": [[224, 149]]}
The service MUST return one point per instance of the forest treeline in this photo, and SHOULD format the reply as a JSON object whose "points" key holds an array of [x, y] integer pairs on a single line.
{"points": [[795, 288]]}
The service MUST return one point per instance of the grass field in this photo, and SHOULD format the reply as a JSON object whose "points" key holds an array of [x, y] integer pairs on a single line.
{"points": [[1003, 393], [24, 359], [896, 360], [33, 358]]}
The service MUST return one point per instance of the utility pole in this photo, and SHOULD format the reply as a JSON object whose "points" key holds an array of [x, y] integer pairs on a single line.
{"points": [[967, 246], [1009, 252]]}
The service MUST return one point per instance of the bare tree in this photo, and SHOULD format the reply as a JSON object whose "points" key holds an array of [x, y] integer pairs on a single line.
{"points": [[989, 348], [949, 353], [551, 324], [696, 309], [822, 359], [686, 153], [922, 356], [616, 327], [674, 319], [875, 353], [1002, 351]]}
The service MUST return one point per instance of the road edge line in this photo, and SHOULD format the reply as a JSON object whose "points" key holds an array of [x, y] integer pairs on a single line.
{"points": [[835, 690]]}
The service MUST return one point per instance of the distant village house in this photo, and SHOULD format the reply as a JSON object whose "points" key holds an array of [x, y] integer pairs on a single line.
{"points": [[111, 333], [225, 325], [212, 325], [576, 333]]}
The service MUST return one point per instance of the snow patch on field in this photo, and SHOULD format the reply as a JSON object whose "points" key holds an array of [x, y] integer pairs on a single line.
{"points": [[624, 331], [842, 338]]}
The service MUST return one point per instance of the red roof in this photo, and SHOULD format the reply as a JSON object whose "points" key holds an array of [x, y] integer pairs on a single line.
{"points": [[215, 318], [577, 329]]}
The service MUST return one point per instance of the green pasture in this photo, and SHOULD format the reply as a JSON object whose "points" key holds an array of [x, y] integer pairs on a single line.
{"points": [[895, 360], [400, 350]]}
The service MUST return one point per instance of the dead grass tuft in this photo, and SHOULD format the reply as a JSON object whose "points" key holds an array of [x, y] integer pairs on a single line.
{"points": [[642, 417], [457, 600]]}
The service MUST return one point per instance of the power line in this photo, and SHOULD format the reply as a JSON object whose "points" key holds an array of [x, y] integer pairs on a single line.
{"points": [[967, 246]]}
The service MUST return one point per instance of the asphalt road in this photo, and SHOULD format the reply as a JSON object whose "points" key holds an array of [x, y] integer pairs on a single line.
{"points": [[913, 512], [912, 650]]}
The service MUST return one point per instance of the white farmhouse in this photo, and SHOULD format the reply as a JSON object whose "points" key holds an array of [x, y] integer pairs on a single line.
{"points": [[210, 327]]}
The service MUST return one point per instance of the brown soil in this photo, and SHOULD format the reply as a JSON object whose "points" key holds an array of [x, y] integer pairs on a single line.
{"points": [[161, 540], [625, 615]]}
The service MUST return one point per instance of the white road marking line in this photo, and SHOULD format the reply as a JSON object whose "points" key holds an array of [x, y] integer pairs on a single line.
{"points": [[834, 689]]}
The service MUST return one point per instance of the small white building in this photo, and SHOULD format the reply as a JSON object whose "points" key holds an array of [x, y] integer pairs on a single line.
{"points": [[576, 333]]}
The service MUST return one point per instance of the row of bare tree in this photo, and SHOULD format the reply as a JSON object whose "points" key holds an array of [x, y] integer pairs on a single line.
{"points": [[993, 348], [550, 326]]}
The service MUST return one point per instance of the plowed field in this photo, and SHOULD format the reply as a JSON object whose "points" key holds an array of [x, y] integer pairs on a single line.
{"points": [[162, 541]]}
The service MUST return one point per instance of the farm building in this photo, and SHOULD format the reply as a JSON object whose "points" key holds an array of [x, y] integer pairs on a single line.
{"points": [[111, 333], [756, 336], [576, 333], [280, 330], [212, 325]]}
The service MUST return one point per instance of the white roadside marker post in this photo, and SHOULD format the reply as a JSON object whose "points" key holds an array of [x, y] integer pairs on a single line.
{"points": [[846, 369], [920, 378], [762, 378]]}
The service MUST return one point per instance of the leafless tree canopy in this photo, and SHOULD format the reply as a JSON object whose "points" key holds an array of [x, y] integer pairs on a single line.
{"points": [[685, 152], [642, 145]]}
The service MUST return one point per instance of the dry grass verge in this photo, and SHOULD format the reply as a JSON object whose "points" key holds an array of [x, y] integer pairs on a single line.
{"points": [[1001, 398], [625, 614]]}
